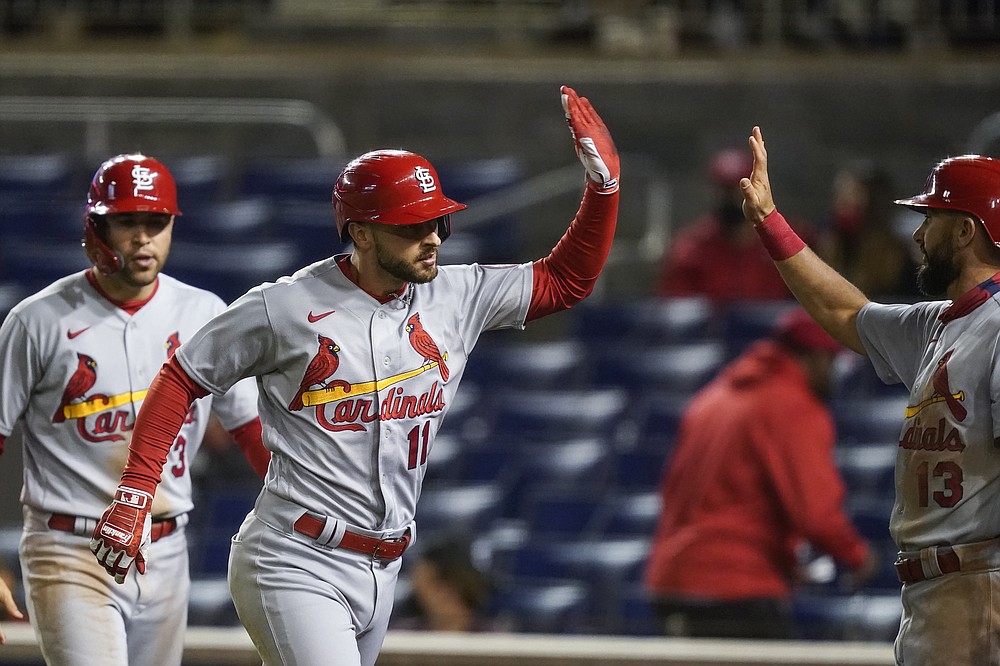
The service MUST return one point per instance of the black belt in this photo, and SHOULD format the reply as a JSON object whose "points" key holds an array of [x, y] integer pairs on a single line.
{"points": [[912, 571], [381, 549], [67, 523]]}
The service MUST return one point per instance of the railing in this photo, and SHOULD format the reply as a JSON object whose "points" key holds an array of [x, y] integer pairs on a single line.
{"points": [[98, 114]]}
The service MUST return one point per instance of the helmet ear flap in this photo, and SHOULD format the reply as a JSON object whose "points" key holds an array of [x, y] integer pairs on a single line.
{"points": [[107, 261]]}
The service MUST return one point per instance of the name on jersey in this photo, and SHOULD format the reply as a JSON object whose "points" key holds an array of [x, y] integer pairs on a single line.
{"points": [[938, 437], [352, 414]]}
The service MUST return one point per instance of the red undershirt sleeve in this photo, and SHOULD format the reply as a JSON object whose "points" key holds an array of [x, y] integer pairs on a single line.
{"points": [[160, 419], [568, 274], [249, 438], [3, 440]]}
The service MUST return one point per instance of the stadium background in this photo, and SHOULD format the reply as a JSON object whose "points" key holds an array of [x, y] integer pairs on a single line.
{"points": [[243, 88]]}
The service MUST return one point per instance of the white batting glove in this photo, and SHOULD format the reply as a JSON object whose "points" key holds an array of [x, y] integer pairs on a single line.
{"points": [[122, 536], [593, 142]]}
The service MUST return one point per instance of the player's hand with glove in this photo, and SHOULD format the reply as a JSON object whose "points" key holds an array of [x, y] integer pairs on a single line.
{"points": [[594, 145], [122, 536]]}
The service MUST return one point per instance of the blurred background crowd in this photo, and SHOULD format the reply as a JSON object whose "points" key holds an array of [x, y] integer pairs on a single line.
{"points": [[543, 489]]}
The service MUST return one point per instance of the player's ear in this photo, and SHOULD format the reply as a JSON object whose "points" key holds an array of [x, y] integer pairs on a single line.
{"points": [[360, 234]]}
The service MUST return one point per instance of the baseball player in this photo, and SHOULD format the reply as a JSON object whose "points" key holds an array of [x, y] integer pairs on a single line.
{"points": [[358, 358], [945, 520], [76, 360]]}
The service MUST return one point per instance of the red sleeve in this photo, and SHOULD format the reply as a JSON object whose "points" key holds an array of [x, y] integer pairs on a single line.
{"points": [[160, 419], [248, 438], [569, 273], [3, 440]]}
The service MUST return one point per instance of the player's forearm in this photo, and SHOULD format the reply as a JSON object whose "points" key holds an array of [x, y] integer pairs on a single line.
{"points": [[163, 412], [568, 274], [824, 293]]}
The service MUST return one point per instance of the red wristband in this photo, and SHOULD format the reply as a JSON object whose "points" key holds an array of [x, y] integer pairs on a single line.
{"points": [[780, 241]]}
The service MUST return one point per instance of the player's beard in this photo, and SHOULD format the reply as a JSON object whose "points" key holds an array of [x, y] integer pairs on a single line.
{"points": [[401, 269], [936, 274]]}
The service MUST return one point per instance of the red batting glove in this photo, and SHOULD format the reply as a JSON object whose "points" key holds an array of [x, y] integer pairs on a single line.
{"points": [[123, 533], [594, 145]]}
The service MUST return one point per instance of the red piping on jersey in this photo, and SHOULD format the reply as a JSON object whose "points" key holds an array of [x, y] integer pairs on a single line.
{"points": [[568, 274], [971, 299], [130, 307]]}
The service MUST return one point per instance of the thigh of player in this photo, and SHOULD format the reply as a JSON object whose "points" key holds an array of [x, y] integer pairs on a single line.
{"points": [[309, 606], [953, 620]]}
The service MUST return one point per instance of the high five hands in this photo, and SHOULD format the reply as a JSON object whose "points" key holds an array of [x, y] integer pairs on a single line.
{"points": [[757, 200], [593, 142]]}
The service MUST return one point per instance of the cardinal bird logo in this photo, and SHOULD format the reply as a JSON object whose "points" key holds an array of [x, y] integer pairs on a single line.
{"points": [[424, 344], [320, 368], [82, 381], [939, 381], [172, 343]]}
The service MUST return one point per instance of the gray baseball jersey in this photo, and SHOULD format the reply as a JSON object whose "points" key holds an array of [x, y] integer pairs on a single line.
{"points": [[353, 391], [947, 467], [74, 369]]}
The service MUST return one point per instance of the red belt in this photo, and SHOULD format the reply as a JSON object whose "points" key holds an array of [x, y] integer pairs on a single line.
{"points": [[911, 571], [382, 549], [67, 523]]}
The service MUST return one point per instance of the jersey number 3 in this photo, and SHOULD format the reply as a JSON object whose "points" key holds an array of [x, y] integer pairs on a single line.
{"points": [[951, 480]]}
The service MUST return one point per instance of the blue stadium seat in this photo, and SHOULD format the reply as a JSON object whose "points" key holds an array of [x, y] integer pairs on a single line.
{"points": [[657, 418], [525, 414], [310, 225], [638, 470], [564, 513], [210, 604], [49, 175], [869, 419], [650, 321], [636, 614], [629, 514], [855, 377], [11, 293], [242, 220], [681, 368], [859, 617], [552, 606], [231, 270], [36, 263], [309, 179], [218, 517], [868, 470], [201, 179], [465, 508], [559, 364], [743, 322]]}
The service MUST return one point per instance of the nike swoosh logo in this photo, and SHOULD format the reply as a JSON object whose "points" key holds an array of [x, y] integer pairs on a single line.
{"points": [[73, 334], [315, 318]]}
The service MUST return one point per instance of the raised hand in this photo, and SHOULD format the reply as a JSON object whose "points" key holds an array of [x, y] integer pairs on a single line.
{"points": [[122, 536], [593, 142], [757, 200]]}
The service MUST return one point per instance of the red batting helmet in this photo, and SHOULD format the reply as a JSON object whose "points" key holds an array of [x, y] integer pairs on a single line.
{"points": [[130, 183], [968, 184], [391, 187]]}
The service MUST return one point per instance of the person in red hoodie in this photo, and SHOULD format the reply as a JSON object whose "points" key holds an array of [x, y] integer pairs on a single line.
{"points": [[752, 477]]}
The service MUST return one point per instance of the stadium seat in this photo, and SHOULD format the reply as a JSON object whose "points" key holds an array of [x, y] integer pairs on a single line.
{"points": [[232, 270], [465, 508], [855, 377], [656, 321], [310, 225], [11, 293], [681, 368], [201, 179], [242, 220], [858, 617], [36, 263], [308, 179], [743, 322], [638, 470], [657, 417], [219, 516], [869, 419], [210, 603], [868, 470], [525, 414], [636, 614], [566, 464], [556, 364], [551, 606], [560, 514], [48, 175], [629, 514]]}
